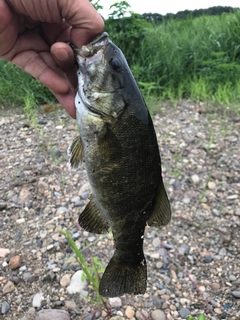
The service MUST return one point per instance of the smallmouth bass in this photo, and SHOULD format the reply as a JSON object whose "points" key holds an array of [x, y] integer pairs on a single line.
{"points": [[118, 144]]}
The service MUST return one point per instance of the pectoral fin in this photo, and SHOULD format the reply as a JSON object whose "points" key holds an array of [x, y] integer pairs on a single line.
{"points": [[161, 214], [75, 151], [91, 219]]}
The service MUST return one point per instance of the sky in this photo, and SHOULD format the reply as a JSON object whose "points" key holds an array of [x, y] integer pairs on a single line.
{"points": [[167, 6]]}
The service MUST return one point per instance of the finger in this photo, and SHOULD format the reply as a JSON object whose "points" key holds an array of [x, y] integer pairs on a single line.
{"points": [[42, 67], [64, 57], [68, 102], [8, 28], [87, 23]]}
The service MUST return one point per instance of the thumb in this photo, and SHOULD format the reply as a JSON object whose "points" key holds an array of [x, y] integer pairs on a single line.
{"points": [[86, 22]]}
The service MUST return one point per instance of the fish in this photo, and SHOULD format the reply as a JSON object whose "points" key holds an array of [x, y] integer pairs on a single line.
{"points": [[118, 144]]}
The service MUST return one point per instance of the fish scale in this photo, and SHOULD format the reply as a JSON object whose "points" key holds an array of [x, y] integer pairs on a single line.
{"points": [[118, 143]]}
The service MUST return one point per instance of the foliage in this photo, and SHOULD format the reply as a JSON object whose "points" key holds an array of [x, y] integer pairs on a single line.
{"points": [[96, 4], [126, 29], [91, 273], [212, 11], [197, 58], [17, 87], [200, 317]]}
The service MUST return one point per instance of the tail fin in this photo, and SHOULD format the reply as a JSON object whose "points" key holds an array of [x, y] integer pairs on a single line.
{"points": [[120, 278]]}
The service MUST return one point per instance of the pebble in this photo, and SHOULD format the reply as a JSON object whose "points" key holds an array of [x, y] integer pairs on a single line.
{"points": [[222, 252], [211, 185], [157, 302], [15, 262], [232, 277], [141, 315], [9, 287], [236, 294], [116, 318], [158, 315], [115, 302], [5, 307], [129, 312], [23, 268], [76, 283], [183, 249], [217, 311], [207, 259], [62, 210], [51, 314], [215, 286], [70, 304], [3, 205], [156, 242], [65, 280], [4, 252], [195, 178], [184, 313], [26, 276], [37, 300]]}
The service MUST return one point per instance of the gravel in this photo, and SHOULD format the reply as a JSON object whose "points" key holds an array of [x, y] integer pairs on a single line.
{"points": [[193, 263]]}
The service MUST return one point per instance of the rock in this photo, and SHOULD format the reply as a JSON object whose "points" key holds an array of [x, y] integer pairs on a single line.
{"points": [[223, 252], [232, 278], [51, 314], [5, 307], [217, 311], [37, 300], [115, 302], [65, 280], [156, 242], [195, 178], [211, 185], [215, 286], [23, 268], [157, 302], [77, 284], [158, 315], [15, 262], [26, 276], [207, 259], [236, 294], [24, 196], [3, 205], [9, 287], [116, 318], [62, 210], [4, 252], [129, 312], [70, 304], [183, 249], [184, 313], [141, 315]]}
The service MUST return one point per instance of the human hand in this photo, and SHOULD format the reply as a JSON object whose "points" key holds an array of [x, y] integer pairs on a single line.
{"points": [[34, 36]]}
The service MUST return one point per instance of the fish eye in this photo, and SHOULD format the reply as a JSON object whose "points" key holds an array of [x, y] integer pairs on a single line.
{"points": [[115, 64]]}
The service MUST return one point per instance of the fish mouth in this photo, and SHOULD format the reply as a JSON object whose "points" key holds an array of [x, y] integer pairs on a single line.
{"points": [[84, 56], [89, 50]]}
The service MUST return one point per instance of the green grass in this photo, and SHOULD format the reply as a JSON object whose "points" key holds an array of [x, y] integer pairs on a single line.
{"points": [[195, 58], [17, 88]]}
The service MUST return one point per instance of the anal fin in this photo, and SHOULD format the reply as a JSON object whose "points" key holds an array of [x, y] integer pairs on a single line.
{"points": [[91, 219], [75, 151], [161, 214]]}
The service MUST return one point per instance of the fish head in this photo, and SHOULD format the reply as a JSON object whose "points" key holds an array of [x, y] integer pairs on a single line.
{"points": [[101, 68]]}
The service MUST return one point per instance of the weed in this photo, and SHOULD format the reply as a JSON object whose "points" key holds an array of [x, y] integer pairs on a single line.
{"points": [[92, 273]]}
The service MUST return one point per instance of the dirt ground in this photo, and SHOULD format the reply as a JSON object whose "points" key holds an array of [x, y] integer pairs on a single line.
{"points": [[193, 263]]}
